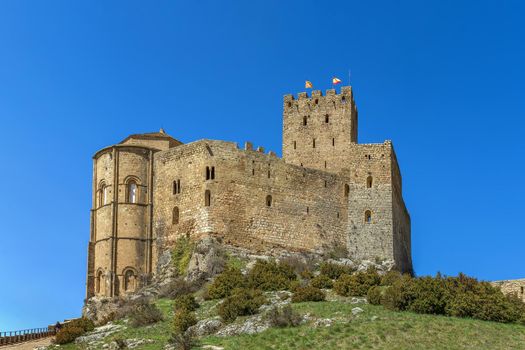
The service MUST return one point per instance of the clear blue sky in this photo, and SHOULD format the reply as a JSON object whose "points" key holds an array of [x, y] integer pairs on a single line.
{"points": [[443, 79]]}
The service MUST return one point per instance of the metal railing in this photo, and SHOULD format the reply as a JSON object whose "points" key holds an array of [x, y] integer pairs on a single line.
{"points": [[14, 337]]}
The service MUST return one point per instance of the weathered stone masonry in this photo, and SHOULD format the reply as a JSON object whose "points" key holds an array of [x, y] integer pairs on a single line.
{"points": [[327, 192]]}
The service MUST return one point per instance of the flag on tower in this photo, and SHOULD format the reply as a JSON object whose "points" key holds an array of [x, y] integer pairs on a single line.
{"points": [[308, 85], [336, 81]]}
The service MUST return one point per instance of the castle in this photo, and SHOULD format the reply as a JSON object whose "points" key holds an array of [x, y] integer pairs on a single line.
{"points": [[326, 192]]}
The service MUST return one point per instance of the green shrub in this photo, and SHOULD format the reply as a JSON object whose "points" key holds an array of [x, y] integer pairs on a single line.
{"points": [[398, 296], [334, 271], [186, 302], [68, 334], [374, 295], [308, 293], [427, 295], [184, 341], [390, 277], [298, 265], [240, 303], [322, 281], [460, 296], [86, 324], [225, 283], [307, 275], [283, 317], [145, 314], [181, 254], [73, 330], [357, 284], [177, 287], [296, 284], [182, 320], [270, 276]]}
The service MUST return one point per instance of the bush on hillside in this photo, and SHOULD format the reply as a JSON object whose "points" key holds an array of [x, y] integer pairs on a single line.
{"points": [[390, 277], [271, 276], [68, 335], [177, 287], [73, 329], [186, 302], [182, 320], [308, 293], [334, 271], [184, 341], [145, 314], [240, 303], [357, 284], [460, 296], [283, 317], [322, 281], [299, 266], [374, 295], [225, 283]]}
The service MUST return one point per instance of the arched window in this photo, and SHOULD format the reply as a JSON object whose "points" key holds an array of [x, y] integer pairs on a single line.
{"points": [[305, 120], [343, 99], [207, 198], [368, 217], [313, 143], [207, 173], [130, 280], [347, 190], [268, 201], [213, 173], [98, 282], [295, 145], [369, 182], [327, 118], [175, 216], [103, 194], [133, 192]]}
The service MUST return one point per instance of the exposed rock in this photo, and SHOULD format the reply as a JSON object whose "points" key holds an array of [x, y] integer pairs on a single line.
{"points": [[358, 300], [356, 311], [206, 327], [252, 325], [99, 309], [323, 322], [374, 318], [207, 260], [99, 333], [212, 347]]}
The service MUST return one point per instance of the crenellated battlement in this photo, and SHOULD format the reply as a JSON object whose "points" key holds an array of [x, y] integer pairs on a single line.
{"points": [[317, 98]]}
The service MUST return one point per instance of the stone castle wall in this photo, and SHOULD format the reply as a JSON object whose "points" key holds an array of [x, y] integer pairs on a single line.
{"points": [[257, 200], [516, 287], [323, 195]]}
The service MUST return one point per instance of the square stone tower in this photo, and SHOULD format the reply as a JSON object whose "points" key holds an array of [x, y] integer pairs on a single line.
{"points": [[318, 132]]}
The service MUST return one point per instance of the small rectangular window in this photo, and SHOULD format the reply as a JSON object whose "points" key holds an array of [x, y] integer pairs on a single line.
{"points": [[295, 145], [313, 143]]}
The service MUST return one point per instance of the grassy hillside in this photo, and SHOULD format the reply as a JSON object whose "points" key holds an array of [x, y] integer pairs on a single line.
{"points": [[374, 328]]}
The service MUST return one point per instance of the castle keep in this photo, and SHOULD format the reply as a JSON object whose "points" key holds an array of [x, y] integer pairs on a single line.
{"points": [[327, 192]]}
